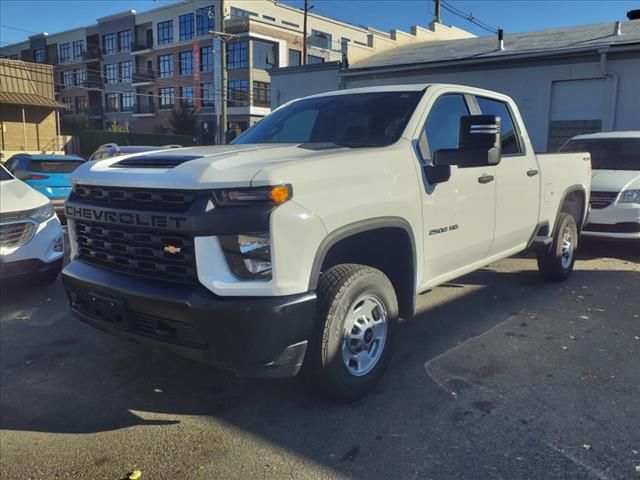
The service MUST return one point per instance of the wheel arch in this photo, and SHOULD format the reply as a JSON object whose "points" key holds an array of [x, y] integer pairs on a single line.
{"points": [[385, 243], [574, 202]]}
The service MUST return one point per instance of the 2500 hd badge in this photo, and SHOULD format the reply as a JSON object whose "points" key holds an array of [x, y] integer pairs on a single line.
{"points": [[124, 218], [450, 228]]}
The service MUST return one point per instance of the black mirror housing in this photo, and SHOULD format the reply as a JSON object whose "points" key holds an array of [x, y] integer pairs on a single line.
{"points": [[479, 143], [437, 173]]}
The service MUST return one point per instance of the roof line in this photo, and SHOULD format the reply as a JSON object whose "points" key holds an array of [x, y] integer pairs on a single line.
{"points": [[631, 46]]}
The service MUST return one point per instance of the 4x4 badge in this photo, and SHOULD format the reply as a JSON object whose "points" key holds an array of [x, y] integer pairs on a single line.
{"points": [[172, 250]]}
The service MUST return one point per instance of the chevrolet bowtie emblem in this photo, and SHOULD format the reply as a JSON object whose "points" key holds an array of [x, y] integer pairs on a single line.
{"points": [[172, 250]]}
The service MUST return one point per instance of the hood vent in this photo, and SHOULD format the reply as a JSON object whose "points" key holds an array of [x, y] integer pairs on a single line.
{"points": [[154, 161]]}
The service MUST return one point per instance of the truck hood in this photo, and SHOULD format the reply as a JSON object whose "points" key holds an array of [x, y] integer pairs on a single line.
{"points": [[614, 180], [17, 196], [214, 167]]}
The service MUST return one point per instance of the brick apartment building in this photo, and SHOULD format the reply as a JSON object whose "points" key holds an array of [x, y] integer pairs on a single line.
{"points": [[134, 68]]}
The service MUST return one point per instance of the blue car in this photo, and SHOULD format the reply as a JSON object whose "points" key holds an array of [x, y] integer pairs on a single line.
{"points": [[48, 174]]}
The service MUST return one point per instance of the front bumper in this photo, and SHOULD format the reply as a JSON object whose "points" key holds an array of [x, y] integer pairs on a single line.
{"points": [[615, 221], [265, 336]]}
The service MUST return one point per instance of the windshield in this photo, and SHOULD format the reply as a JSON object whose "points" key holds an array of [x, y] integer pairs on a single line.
{"points": [[4, 175], [608, 153], [353, 120], [55, 166]]}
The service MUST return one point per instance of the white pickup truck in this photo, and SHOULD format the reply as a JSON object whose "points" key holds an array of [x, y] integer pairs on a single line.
{"points": [[301, 244]]}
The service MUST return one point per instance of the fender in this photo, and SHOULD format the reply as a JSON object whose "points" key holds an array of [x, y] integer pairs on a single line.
{"points": [[359, 227], [585, 208]]}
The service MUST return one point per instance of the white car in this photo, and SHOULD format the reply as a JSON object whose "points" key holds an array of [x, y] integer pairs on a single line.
{"points": [[31, 237], [615, 184]]}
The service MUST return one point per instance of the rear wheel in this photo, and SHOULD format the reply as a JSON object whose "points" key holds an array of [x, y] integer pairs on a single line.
{"points": [[357, 312], [556, 264]]}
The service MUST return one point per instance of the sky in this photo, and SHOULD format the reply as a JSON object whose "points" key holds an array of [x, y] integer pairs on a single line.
{"points": [[21, 18]]}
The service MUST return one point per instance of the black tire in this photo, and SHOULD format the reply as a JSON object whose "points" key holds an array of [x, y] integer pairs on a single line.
{"points": [[338, 290], [553, 264]]}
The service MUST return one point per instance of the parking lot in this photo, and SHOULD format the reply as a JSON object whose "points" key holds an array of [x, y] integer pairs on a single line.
{"points": [[499, 375]]}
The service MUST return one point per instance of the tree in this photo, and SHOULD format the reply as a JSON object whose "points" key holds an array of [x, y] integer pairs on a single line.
{"points": [[183, 121]]}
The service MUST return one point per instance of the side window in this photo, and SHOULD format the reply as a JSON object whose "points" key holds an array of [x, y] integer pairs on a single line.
{"points": [[510, 140], [19, 164], [442, 127]]}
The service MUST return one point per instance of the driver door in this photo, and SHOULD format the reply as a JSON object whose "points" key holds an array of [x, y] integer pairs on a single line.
{"points": [[458, 214]]}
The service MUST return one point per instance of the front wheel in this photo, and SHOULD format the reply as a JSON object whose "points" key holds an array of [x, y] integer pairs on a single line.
{"points": [[357, 312], [556, 264]]}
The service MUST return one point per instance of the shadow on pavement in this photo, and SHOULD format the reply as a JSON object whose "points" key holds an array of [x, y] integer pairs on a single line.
{"points": [[61, 376]]}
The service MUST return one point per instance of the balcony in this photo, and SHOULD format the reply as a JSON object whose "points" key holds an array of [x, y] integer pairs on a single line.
{"points": [[94, 111], [91, 54], [144, 109], [141, 46], [142, 76]]}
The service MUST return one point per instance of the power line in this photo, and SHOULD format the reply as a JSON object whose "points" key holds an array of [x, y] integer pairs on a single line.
{"points": [[469, 17]]}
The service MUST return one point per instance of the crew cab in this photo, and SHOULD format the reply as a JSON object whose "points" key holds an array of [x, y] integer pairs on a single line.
{"points": [[299, 246], [615, 183]]}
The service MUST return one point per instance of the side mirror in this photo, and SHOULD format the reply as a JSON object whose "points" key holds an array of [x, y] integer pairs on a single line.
{"points": [[21, 174], [438, 173], [479, 143]]}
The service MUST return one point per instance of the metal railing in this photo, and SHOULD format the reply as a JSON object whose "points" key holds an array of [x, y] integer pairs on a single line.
{"points": [[146, 107]]}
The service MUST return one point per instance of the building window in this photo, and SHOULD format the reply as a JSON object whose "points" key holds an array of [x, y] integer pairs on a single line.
{"points": [[124, 41], [320, 39], [186, 97], [237, 55], [295, 57], [240, 13], [81, 77], [207, 94], [165, 32], [125, 71], [109, 43], [314, 59], [78, 48], [267, 17], [127, 102], [166, 97], [68, 104], [204, 21], [113, 102], [65, 52], [206, 59], [81, 104], [111, 73], [38, 55], [165, 66], [264, 55], [186, 63], [238, 92], [261, 94], [187, 26], [67, 78], [290, 24]]}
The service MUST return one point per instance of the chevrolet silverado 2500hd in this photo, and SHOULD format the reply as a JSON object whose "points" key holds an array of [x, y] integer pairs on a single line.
{"points": [[302, 243]]}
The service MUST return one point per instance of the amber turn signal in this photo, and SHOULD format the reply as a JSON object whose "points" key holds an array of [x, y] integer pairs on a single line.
{"points": [[279, 194]]}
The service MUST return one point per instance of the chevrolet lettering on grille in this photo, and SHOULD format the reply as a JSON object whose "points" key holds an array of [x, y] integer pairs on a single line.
{"points": [[124, 218]]}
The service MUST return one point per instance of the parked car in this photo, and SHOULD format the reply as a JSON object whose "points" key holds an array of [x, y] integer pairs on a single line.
{"points": [[109, 150], [306, 239], [31, 238], [48, 174], [615, 184]]}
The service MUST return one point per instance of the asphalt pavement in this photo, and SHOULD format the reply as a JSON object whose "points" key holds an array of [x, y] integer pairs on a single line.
{"points": [[499, 376]]}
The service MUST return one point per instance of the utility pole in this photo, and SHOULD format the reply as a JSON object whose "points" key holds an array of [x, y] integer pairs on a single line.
{"points": [[304, 33], [437, 18]]}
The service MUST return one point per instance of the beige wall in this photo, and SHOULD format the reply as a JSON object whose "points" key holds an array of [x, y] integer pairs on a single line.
{"points": [[38, 133]]}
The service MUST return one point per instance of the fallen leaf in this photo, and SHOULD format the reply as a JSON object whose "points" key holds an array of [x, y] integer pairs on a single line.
{"points": [[135, 475]]}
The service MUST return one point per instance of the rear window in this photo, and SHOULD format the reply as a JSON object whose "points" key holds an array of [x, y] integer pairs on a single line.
{"points": [[54, 166], [608, 153]]}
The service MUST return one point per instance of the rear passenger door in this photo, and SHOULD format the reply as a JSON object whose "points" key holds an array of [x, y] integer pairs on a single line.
{"points": [[459, 214], [518, 181]]}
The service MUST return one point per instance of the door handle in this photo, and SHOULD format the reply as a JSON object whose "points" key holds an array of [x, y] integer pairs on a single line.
{"points": [[532, 173], [485, 179]]}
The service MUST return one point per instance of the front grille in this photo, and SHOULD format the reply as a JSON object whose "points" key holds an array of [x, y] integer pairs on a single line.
{"points": [[157, 328], [15, 234], [143, 199], [154, 161], [600, 200], [137, 251]]}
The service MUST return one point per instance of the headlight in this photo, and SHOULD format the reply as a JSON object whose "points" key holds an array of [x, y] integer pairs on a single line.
{"points": [[248, 255], [42, 214], [261, 195], [630, 196]]}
